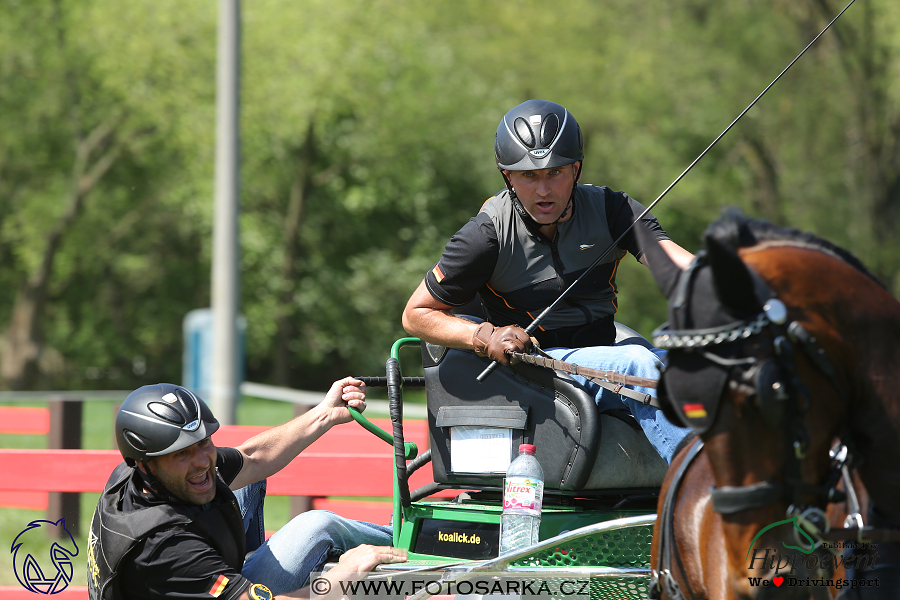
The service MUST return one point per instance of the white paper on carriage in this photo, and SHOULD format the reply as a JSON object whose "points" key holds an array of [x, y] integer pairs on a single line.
{"points": [[480, 449]]}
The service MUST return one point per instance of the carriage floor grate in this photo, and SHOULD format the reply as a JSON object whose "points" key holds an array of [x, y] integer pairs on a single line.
{"points": [[627, 547]]}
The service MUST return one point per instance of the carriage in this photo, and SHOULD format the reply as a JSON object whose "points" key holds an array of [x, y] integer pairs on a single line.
{"points": [[602, 477]]}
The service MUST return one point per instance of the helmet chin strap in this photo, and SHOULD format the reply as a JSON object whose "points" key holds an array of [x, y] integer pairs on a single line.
{"points": [[571, 196], [151, 482]]}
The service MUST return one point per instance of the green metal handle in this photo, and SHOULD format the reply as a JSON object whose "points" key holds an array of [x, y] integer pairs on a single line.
{"points": [[410, 450], [408, 341]]}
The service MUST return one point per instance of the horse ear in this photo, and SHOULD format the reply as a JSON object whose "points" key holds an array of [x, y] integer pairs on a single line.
{"points": [[732, 278], [665, 271]]}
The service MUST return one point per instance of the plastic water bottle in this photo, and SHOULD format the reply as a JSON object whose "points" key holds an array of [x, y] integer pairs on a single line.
{"points": [[523, 494]]}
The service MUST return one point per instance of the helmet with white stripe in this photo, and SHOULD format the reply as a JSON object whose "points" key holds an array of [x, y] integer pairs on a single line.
{"points": [[537, 135], [160, 419]]}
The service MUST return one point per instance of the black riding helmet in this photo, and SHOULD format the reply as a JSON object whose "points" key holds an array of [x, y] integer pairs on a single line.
{"points": [[537, 135], [160, 419]]}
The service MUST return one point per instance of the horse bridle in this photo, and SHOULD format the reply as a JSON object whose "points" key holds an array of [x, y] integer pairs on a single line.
{"points": [[772, 380]]}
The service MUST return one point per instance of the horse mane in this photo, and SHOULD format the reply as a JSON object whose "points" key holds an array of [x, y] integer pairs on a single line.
{"points": [[736, 230]]}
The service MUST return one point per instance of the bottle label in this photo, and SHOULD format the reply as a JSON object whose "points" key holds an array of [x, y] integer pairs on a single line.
{"points": [[523, 495]]}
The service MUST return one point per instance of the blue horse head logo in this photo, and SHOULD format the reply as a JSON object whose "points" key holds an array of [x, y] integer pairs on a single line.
{"points": [[47, 574]]}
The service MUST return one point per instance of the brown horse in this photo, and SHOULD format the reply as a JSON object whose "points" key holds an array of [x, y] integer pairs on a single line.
{"points": [[779, 342]]}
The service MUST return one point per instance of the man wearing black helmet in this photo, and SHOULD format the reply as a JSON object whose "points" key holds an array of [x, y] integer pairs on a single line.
{"points": [[527, 245], [179, 516]]}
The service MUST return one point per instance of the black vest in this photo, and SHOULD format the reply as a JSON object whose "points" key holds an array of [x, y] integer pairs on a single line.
{"points": [[115, 533], [532, 271]]}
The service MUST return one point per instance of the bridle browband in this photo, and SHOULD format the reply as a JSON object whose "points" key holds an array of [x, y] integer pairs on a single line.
{"points": [[668, 339]]}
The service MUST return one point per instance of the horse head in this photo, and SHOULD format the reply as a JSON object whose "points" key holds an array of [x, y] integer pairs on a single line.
{"points": [[764, 351]]}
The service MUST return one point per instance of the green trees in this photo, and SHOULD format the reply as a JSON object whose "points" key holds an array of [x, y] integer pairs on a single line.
{"points": [[92, 191], [367, 141]]}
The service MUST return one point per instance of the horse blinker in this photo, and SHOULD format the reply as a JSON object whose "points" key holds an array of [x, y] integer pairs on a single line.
{"points": [[690, 388], [665, 404]]}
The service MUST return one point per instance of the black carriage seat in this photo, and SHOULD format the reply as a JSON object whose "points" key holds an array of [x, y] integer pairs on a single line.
{"points": [[579, 448]]}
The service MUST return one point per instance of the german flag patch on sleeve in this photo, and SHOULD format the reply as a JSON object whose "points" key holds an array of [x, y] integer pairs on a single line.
{"points": [[438, 274], [218, 586]]}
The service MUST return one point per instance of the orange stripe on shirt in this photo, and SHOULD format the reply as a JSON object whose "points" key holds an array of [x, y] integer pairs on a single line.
{"points": [[510, 307], [612, 286], [438, 274]]}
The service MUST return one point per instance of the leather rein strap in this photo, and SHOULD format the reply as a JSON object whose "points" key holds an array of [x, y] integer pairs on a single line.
{"points": [[610, 380]]}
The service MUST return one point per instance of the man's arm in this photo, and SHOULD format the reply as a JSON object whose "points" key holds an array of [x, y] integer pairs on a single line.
{"points": [[430, 319], [621, 211], [352, 566], [270, 451], [679, 255]]}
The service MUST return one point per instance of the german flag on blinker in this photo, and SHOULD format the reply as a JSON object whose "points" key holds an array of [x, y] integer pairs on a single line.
{"points": [[218, 586], [694, 411], [438, 274]]}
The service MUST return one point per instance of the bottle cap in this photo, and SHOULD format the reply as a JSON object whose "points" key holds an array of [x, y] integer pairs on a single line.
{"points": [[529, 448]]}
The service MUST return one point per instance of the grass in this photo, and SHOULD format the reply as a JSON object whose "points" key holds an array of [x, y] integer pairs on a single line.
{"points": [[97, 433]]}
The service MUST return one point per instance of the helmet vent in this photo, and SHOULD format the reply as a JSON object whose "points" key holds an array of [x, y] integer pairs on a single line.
{"points": [[167, 413], [523, 131], [184, 400], [549, 129], [186, 406], [136, 442]]}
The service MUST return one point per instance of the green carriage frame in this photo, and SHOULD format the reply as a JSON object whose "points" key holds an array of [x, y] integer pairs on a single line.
{"points": [[609, 547]]}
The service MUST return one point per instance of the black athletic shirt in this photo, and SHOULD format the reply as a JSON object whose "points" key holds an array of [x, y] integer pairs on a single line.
{"points": [[518, 273], [178, 563]]}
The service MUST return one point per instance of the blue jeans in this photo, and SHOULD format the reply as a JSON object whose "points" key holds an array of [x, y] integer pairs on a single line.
{"points": [[303, 546], [634, 360]]}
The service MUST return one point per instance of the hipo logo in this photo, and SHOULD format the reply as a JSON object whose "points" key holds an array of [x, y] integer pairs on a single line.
{"points": [[44, 574]]}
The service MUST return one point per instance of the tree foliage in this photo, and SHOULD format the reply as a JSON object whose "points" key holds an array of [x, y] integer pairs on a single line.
{"points": [[367, 141]]}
